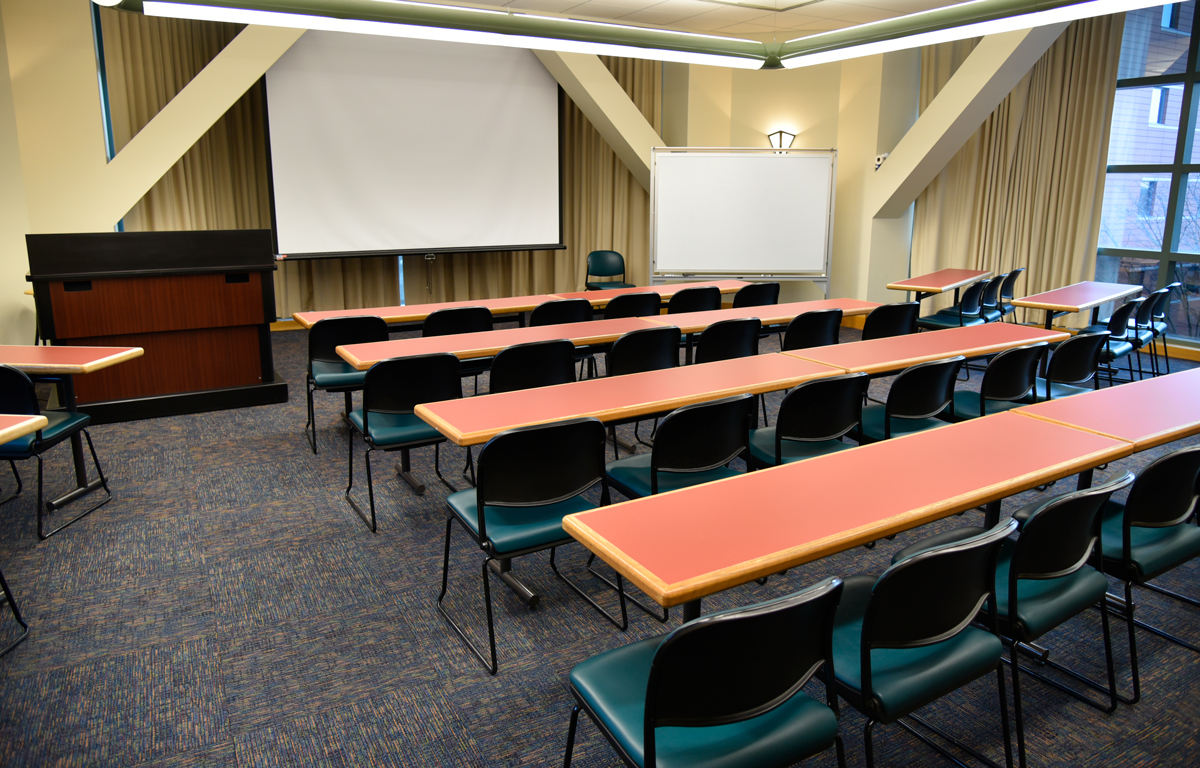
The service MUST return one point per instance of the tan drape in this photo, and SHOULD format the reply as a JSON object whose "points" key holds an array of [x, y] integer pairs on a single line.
{"points": [[221, 182], [604, 208], [1026, 189]]}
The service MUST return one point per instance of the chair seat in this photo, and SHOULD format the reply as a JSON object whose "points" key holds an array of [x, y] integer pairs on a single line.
{"points": [[1114, 350], [762, 447], [1006, 309], [989, 315], [1043, 604], [1154, 550], [516, 529], [967, 404], [941, 321], [608, 286], [614, 686], [903, 679], [1056, 392], [61, 425], [395, 429], [872, 424], [328, 375], [632, 476]]}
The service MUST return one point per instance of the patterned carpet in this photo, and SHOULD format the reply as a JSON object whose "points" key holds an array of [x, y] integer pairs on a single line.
{"points": [[227, 608]]}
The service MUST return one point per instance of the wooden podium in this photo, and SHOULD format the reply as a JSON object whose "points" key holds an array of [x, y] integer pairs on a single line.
{"points": [[200, 303]]}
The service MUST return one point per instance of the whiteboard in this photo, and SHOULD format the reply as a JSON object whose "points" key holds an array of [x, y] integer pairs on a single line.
{"points": [[743, 212]]}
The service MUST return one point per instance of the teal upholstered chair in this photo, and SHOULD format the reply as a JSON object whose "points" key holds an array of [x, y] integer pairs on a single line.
{"points": [[722, 690], [530, 478], [18, 397], [915, 402], [392, 389], [897, 319], [327, 371], [606, 264], [1008, 291], [1008, 379], [1122, 340], [812, 419], [907, 637], [455, 320], [1150, 534], [813, 329], [1073, 363], [966, 312], [756, 295]]}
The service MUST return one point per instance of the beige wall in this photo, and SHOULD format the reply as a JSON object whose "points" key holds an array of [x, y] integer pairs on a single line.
{"points": [[16, 310]]}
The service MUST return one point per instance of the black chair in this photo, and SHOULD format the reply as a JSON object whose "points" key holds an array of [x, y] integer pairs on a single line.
{"points": [[1009, 377], [967, 312], [813, 329], [1162, 303], [535, 364], [16, 612], [393, 388], [914, 403], [905, 638], [529, 479], [648, 349], [562, 311], [812, 419], [693, 445], [1008, 291], [699, 299], [990, 301], [330, 373], [1121, 339], [729, 682], [728, 340], [1074, 362], [891, 320], [1141, 332], [448, 322], [633, 305], [756, 295], [1149, 535], [19, 398], [606, 264]]}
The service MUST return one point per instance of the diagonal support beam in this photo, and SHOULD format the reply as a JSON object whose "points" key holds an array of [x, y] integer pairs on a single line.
{"points": [[987, 76], [604, 102]]}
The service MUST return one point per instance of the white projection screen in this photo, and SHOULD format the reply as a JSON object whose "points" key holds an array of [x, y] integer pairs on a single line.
{"points": [[390, 145]]}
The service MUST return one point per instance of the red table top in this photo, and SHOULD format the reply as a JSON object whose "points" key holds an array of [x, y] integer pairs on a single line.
{"points": [[772, 314], [686, 544], [476, 420], [600, 298], [413, 313], [941, 281], [1078, 297], [12, 427], [65, 360], [1146, 413], [487, 343], [897, 352]]}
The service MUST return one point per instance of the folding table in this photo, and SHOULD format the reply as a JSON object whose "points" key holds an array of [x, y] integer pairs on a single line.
{"points": [[770, 314], [12, 427], [1077, 298], [416, 313], [939, 282]]}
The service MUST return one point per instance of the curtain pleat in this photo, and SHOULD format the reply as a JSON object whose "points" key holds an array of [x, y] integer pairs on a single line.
{"points": [[1026, 189]]}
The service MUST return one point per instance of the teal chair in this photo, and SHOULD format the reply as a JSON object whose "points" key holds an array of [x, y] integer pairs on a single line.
{"points": [[1007, 381], [327, 371], [723, 690], [966, 313], [812, 419], [1073, 363], [916, 401], [606, 264], [907, 637]]}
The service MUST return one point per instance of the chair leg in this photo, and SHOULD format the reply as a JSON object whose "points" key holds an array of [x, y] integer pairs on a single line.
{"points": [[437, 467], [1110, 692], [370, 521], [13, 465], [1017, 713], [42, 507], [469, 466], [666, 612], [490, 665], [311, 424], [621, 624], [1166, 354], [869, 743], [571, 736], [16, 612]]}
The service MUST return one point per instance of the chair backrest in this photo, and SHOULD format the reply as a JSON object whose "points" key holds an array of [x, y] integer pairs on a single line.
{"points": [[813, 329], [1165, 492], [972, 299], [1144, 317], [647, 349], [991, 292], [17, 393], [327, 335], [605, 264], [447, 322], [756, 295], [1164, 301], [1076, 360], [1011, 374], [922, 391], [734, 665], [728, 339], [1118, 322], [891, 320], [401, 384], [561, 311], [535, 364], [1009, 287], [695, 300], [700, 437], [823, 409], [633, 305]]}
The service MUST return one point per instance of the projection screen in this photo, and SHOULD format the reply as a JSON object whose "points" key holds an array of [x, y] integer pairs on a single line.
{"points": [[382, 145]]}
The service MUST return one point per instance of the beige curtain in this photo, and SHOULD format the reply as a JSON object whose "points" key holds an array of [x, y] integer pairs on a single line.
{"points": [[1026, 189], [604, 208], [221, 183]]}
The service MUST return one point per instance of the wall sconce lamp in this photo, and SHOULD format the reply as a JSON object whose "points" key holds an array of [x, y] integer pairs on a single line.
{"points": [[781, 139]]}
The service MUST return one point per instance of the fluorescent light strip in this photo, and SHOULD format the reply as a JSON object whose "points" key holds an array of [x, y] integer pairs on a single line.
{"points": [[443, 34]]}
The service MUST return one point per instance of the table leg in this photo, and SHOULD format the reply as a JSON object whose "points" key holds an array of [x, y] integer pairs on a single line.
{"points": [[1085, 480], [82, 486], [691, 610], [991, 514], [1046, 357]]}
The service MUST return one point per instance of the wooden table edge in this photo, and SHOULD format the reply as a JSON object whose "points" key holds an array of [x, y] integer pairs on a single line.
{"points": [[766, 322], [655, 588], [93, 365], [32, 424], [1027, 304], [1142, 444], [120, 357], [896, 365], [900, 286]]}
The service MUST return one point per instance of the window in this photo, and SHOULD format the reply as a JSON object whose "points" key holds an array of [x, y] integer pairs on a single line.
{"points": [[1160, 99], [1170, 16]]}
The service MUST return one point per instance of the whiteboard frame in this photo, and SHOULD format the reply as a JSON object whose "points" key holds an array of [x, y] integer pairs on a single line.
{"points": [[821, 278]]}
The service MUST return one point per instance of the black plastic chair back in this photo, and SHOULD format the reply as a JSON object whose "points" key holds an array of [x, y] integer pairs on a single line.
{"points": [[1077, 359], [1008, 289], [17, 395], [699, 437], [1058, 536], [699, 299], [1011, 374], [972, 299], [813, 329], [735, 665], [891, 320], [1118, 322], [401, 384], [535, 364], [991, 292], [327, 335], [756, 295], [633, 305], [1162, 303], [647, 349], [1144, 317], [542, 464], [447, 322], [932, 595], [1165, 493], [823, 409], [561, 311], [922, 391], [605, 264], [728, 339]]}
